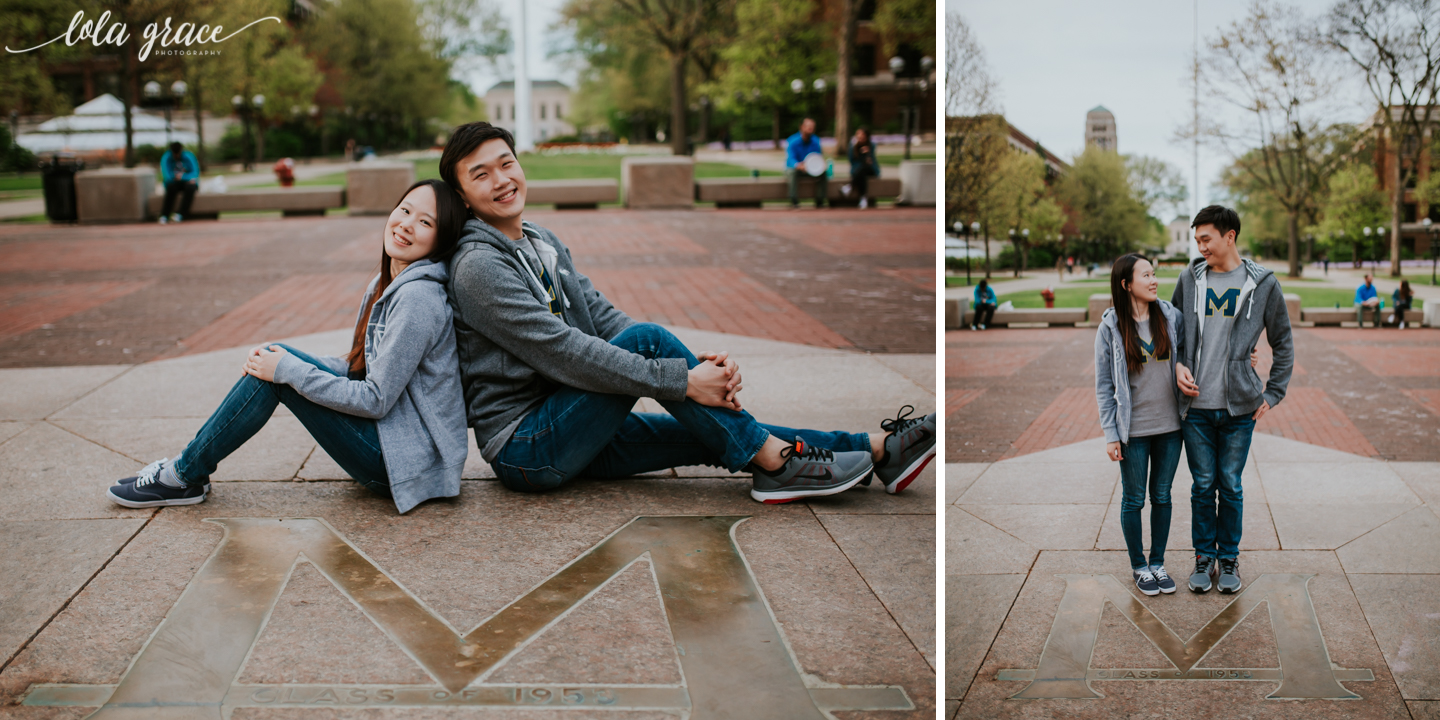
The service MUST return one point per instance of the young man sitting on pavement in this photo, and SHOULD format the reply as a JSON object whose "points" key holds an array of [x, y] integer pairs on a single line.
{"points": [[551, 369]]}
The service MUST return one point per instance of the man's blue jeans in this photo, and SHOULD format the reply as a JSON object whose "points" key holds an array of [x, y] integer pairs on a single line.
{"points": [[353, 442], [1216, 445], [576, 433], [1159, 455]]}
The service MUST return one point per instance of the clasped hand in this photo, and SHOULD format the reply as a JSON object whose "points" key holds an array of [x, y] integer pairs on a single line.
{"points": [[262, 362], [715, 381]]}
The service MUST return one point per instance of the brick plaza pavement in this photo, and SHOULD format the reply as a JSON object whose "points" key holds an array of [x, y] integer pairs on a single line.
{"points": [[1374, 393], [133, 293]]}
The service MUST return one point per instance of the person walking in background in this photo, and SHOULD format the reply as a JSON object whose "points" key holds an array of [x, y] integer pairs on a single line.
{"points": [[1367, 297], [1135, 351], [1226, 302], [984, 305], [800, 146], [863, 165], [1403, 298], [180, 174]]}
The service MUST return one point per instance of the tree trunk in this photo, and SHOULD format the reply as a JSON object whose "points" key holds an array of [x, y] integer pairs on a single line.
{"points": [[1293, 230], [1397, 208], [677, 102], [848, 11], [704, 124], [129, 100], [986, 240]]}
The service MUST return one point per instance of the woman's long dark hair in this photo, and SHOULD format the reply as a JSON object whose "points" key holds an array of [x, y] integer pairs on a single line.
{"points": [[450, 217], [1122, 275]]}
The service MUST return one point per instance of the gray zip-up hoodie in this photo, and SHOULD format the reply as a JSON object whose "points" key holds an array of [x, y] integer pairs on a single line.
{"points": [[1112, 377], [1244, 392], [514, 352], [411, 386]]}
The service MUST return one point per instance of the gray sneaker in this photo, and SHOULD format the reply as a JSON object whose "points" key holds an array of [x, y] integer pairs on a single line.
{"points": [[909, 447], [153, 468], [1200, 579], [1229, 581], [810, 472]]}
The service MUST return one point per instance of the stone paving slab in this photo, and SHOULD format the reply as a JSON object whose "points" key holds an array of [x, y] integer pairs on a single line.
{"points": [[1363, 527]]}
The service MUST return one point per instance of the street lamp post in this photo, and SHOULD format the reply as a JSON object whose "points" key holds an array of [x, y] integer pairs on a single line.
{"points": [[156, 92], [245, 110], [967, 231], [910, 113]]}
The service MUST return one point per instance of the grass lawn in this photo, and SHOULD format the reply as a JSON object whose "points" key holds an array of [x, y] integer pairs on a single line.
{"points": [[24, 181], [1080, 296], [898, 158]]}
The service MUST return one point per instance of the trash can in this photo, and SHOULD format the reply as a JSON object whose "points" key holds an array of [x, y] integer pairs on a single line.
{"points": [[57, 177]]}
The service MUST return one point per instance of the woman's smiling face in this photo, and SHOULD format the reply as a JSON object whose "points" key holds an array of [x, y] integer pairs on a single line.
{"points": [[410, 231], [1143, 284]]}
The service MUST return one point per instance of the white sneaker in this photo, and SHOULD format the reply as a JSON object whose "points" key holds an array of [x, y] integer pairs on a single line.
{"points": [[1390, 319], [175, 218], [164, 220], [845, 190], [1402, 324], [864, 203], [982, 326]]}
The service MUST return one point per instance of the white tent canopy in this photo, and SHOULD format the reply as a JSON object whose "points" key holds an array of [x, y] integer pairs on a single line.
{"points": [[100, 125]]}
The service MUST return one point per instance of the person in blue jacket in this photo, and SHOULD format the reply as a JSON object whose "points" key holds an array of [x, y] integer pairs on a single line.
{"points": [[800, 145], [180, 173], [984, 305], [1366, 297]]}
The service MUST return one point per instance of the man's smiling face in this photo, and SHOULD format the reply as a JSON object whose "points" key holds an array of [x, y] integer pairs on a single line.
{"points": [[492, 183]]}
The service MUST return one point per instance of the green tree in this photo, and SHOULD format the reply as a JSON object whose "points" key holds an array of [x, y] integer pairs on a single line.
{"points": [[975, 148], [1097, 188], [26, 24], [1158, 185], [906, 22], [777, 41], [1353, 201]]}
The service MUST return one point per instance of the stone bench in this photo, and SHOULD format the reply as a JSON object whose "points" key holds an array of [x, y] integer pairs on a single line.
{"points": [[572, 194], [752, 192], [291, 202], [959, 314]]}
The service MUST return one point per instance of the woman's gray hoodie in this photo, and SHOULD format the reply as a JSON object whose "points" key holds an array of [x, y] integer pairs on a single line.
{"points": [[1112, 377], [514, 352], [411, 386]]}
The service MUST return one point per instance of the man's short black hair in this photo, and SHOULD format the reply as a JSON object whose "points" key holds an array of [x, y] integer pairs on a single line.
{"points": [[1224, 219], [463, 141], [176, 147]]}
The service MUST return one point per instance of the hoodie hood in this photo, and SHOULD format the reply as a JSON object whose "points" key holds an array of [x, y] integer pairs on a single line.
{"points": [[418, 270], [479, 232]]}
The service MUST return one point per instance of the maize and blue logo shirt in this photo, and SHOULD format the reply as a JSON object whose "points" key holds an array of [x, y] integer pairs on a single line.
{"points": [[1152, 390], [1222, 303]]}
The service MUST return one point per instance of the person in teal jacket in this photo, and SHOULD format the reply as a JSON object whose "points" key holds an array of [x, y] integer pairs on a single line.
{"points": [[180, 173], [984, 305]]}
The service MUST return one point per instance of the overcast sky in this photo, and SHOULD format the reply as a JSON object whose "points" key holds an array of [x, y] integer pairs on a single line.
{"points": [[540, 16], [1056, 59]]}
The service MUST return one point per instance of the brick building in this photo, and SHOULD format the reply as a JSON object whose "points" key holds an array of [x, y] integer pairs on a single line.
{"points": [[1413, 236]]}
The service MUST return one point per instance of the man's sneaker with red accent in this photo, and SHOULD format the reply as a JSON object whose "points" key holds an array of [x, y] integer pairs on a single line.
{"points": [[810, 472], [909, 447]]}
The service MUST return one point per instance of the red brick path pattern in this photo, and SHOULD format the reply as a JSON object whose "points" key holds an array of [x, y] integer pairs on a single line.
{"points": [[1307, 414], [1427, 398], [595, 234], [1396, 360], [298, 305], [904, 238], [25, 307], [923, 278], [712, 298], [1072, 417], [956, 399], [135, 253], [967, 361]]}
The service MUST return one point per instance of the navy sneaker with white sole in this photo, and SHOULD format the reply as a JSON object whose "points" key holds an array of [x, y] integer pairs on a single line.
{"points": [[156, 465], [909, 447], [146, 491]]}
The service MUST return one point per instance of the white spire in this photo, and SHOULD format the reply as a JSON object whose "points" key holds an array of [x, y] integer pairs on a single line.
{"points": [[524, 120]]}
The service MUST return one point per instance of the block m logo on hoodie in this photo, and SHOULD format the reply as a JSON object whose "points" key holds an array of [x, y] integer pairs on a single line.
{"points": [[733, 660], [1225, 303], [1147, 351]]}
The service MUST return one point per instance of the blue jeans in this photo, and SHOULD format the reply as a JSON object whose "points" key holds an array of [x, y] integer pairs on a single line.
{"points": [[1216, 445], [1160, 455], [576, 433], [353, 442]]}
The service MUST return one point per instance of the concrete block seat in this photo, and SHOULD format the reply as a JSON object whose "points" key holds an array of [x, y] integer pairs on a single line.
{"points": [[572, 194], [751, 192], [959, 314], [292, 201]]}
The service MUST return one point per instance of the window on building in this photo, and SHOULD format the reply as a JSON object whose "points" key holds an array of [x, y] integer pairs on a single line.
{"points": [[499, 113], [1408, 213], [1407, 243], [864, 112], [542, 111], [512, 111], [866, 11], [1097, 128], [864, 60], [558, 116]]}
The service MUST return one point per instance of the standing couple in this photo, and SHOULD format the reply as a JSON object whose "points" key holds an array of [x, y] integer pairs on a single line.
{"points": [[1183, 371], [479, 318]]}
